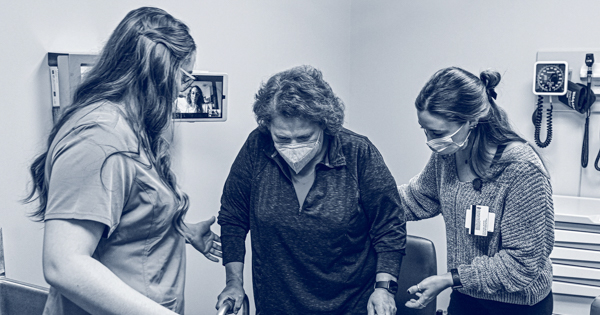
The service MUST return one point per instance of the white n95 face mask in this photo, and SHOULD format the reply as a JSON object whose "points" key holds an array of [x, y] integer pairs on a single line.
{"points": [[299, 154], [446, 145]]}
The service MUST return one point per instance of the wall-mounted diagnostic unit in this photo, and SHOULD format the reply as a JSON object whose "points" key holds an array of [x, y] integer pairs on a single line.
{"points": [[552, 78]]}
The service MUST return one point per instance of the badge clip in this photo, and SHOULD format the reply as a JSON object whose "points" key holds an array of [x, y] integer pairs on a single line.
{"points": [[479, 220]]}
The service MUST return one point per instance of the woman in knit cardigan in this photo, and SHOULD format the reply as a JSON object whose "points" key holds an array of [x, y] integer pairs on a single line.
{"points": [[494, 193]]}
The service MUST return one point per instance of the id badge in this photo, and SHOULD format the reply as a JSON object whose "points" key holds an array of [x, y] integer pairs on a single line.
{"points": [[479, 220]]}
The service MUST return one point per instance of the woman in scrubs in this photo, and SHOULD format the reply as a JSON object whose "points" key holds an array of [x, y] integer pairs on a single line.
{"points": [[328, 232], [494, 193], [114, 239]]}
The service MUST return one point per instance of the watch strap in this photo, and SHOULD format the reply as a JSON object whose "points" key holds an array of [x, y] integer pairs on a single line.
{"points": [[391, 286], [456, 284]]}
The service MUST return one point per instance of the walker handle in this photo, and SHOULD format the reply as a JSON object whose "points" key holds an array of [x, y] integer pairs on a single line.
{"points": [[229, 304]]}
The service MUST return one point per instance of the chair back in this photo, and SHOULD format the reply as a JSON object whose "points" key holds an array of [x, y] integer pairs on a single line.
{"points": [[21, 298], [418, 263], [17, 298], [595, 308]]}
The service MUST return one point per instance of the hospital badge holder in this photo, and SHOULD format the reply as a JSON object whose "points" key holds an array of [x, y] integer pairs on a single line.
{"points": [[479, 220]]}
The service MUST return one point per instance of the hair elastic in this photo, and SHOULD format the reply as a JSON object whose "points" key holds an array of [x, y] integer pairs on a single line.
{"points": [[492, 93]]}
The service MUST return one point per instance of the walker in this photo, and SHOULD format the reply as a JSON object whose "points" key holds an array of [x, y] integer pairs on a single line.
{"points": [[229, 303]]}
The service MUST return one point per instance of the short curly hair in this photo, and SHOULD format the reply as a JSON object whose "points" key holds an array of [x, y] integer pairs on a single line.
{"points": [[299, 92]]}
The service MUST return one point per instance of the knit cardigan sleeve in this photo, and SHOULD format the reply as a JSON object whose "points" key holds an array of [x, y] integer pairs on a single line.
{"points": [[420, 197], [527, 227]]}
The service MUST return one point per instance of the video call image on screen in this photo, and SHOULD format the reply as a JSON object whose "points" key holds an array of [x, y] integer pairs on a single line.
{"points": [[203, 100]]}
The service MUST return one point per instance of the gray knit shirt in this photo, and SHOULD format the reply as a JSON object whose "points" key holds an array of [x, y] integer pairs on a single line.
{"points": [[511, 264]]}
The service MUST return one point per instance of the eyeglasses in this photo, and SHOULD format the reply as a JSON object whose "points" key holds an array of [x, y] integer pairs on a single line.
{"points": [[186, 80]]}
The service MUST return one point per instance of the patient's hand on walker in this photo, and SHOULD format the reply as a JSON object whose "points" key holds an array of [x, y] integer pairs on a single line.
{"points": [[428, 289], [203, 239], [234, 290]]}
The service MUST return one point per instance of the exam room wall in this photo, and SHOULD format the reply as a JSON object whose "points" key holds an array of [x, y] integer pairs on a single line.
{"points": [[249, 40], [398, 45]]}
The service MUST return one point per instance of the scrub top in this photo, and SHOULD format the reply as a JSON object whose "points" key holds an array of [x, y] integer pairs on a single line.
{"points": [[97, 171]]}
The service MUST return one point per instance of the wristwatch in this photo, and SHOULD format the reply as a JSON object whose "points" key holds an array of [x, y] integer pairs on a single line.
{"points": [[456, 284], [391, 286]]}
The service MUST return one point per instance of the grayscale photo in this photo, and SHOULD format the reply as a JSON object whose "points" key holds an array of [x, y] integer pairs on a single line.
{"points": [[300, 157]]}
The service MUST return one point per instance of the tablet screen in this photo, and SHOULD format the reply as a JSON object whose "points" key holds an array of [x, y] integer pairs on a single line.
{"points": [[204, 100]]}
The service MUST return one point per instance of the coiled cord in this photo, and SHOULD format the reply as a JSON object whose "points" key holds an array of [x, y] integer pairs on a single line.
{"points": [[538, 122]]}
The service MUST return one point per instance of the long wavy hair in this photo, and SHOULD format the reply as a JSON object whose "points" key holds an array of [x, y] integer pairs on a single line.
{"points": [[459, 96], [138, 70], [299, 92], [198, 100]]}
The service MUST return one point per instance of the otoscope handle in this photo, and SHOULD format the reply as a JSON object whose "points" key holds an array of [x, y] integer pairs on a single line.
{"points": [[589, 62], [585, 146]]}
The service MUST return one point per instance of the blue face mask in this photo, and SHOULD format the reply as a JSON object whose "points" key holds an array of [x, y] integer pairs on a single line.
{"points": [[446, 145]]}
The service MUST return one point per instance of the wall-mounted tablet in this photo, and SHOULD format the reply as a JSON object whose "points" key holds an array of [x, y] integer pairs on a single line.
{"points": [[204, 100]]}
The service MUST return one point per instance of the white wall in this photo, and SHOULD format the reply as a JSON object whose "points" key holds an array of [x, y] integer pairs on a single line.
{"points": [[398, 45], [249, 40]]}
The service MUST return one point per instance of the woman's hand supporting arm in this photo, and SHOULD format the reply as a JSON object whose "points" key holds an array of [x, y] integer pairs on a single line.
{"points": [[428, 289], [70, 268], [203, 239]]}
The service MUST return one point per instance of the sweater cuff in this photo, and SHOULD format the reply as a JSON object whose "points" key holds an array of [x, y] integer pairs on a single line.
{"points": [[233, 243], [234, 248], [467, 276], [390, 262]]}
